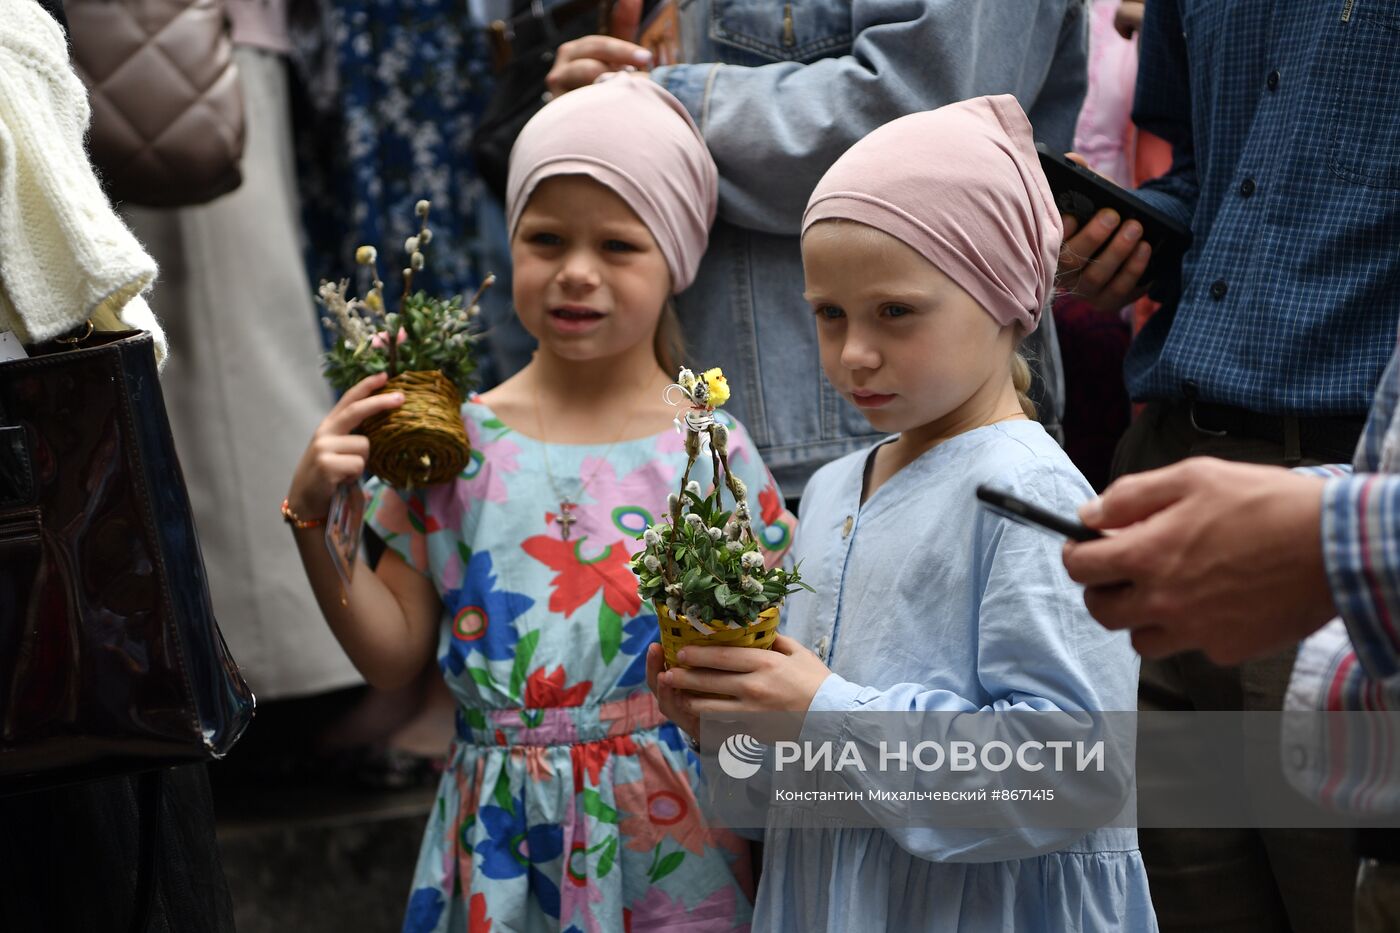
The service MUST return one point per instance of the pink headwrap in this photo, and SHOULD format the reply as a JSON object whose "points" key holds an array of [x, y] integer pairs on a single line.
{"points": [[961, 185], [631, 135]]}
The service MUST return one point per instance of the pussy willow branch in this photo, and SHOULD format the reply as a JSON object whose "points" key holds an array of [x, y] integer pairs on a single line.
{"points": [[403, 318], [671, 569], [747, 527], [481, 290]]}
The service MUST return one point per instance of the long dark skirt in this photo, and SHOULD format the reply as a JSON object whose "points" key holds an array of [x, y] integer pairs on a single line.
{"points": [[131, 853]]}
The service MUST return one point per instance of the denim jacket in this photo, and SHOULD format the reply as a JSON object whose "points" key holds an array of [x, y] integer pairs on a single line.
{"points": [[785, 88]]}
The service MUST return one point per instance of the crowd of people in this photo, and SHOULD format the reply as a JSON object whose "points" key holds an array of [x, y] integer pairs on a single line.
{"points": [[842, 206]]}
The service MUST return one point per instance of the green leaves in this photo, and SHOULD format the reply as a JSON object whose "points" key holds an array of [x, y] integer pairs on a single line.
{"points": [[701, 560], [661, 867], [668, 864], [594, 806], [609, 632], [605, 863], [501, 792], [439, 334], [524, 654]]}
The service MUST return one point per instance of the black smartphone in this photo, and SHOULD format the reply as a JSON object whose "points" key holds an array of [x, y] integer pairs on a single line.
{"points": [[1019, 510], [1083, 192]]}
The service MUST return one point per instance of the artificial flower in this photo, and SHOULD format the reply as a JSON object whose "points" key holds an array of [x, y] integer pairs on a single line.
{"points": [[381, 339], [718, 386]]}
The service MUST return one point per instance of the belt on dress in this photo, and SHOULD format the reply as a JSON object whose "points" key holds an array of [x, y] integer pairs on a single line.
{"points": [[558, 725]]}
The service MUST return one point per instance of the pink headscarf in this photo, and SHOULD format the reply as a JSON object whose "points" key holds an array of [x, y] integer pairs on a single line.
{"points": [[631, 135], [962, 186]]}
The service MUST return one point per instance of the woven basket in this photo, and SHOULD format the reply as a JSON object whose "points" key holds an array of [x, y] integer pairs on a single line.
{"points": [[422, 442], [676, 633]]}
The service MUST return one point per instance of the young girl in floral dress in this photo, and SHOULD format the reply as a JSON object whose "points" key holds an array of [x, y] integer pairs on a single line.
{"points": [[568, 801]]}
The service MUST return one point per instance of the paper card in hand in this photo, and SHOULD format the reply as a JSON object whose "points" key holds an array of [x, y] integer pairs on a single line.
{"points": [[343, 525]]}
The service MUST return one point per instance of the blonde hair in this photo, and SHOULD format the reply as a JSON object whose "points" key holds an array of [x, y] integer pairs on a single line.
{"points": [[669, 341], [1021, 381]]}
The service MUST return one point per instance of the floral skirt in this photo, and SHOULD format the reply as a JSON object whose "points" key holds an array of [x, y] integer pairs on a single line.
{"points": [[575, 818]]}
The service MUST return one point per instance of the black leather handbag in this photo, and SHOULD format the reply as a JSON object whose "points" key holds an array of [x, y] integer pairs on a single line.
{"points": [[110, 658], [523, 52]]}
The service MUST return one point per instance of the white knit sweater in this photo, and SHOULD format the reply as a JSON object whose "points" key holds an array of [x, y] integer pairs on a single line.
{"points": [[65, 256]]}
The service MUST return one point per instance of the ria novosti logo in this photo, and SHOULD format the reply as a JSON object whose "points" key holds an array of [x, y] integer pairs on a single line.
{"points": [[741, 756]]}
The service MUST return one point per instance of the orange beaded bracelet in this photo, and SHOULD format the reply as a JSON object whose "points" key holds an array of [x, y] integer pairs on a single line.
{"points": [[295, 520]]}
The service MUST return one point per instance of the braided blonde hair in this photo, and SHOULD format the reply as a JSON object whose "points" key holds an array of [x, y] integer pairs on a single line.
{"points": [[1021, 381]]}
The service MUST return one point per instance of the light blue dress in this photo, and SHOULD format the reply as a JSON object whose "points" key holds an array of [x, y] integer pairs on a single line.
{"points": [[925, 601]]}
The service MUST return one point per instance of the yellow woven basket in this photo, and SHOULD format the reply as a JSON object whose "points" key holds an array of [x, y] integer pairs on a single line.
{"points": [[423, 441], [676, 633]]}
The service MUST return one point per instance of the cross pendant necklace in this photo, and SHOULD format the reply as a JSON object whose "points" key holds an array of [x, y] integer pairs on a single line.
{"points": [[565, 519]]}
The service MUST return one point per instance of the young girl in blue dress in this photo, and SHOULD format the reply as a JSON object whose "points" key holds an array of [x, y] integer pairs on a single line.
{"points": [[568, 801], [929, 250]]}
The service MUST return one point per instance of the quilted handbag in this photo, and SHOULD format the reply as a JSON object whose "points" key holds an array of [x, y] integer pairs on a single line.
{"points": [[167, 107], [110, 659]]}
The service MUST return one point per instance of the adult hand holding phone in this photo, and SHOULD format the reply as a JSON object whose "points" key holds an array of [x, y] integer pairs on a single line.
{"points": [[1106, 276], [1224, 558]]}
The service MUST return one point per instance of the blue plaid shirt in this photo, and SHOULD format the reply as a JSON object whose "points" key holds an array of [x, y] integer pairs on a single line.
{"points": [[1284, 120], [1361, 536], [1352, 665]]}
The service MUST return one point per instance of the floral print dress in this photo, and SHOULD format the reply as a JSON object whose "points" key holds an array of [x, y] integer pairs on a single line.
{"points": [[568, 802]]}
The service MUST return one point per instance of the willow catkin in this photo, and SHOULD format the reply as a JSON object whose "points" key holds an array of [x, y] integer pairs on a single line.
{"points": [[423, 441]]}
